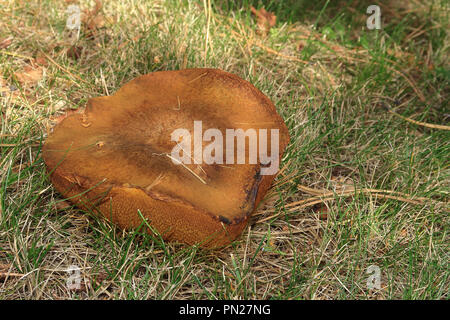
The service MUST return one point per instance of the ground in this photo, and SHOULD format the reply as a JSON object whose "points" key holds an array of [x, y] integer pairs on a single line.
{"points": [[363, 187]]}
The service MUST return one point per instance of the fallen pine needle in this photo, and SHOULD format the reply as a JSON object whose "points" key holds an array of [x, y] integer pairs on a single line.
{"points": [[4, 275], [271, 51], [64, 69], [381, 193], [420, 123], [13, 54], [187, 168], [325, 195]]}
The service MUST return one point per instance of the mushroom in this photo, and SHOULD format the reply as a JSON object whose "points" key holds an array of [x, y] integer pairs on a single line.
{"points": [[118, 157]]}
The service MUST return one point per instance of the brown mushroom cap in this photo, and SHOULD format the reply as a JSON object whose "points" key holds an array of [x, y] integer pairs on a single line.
{"points": [[114, 157]]}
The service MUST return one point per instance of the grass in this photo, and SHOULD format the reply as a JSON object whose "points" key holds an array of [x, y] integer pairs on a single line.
{"points": [[336, 103]]}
